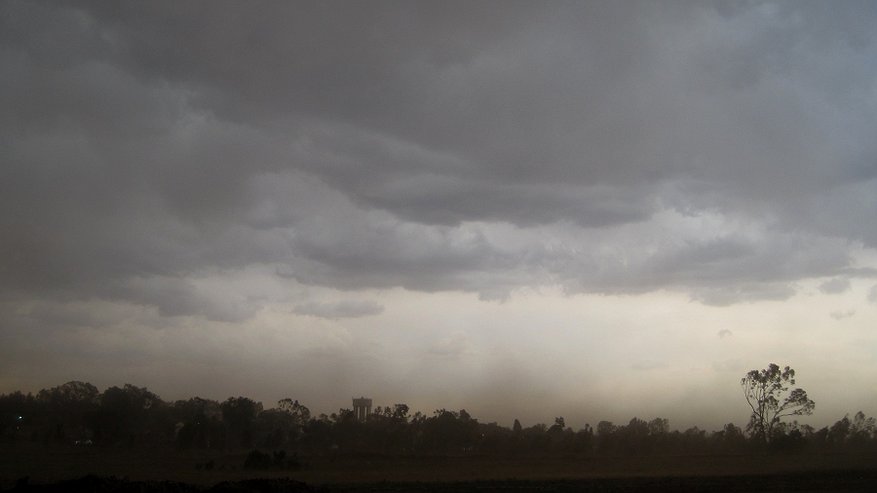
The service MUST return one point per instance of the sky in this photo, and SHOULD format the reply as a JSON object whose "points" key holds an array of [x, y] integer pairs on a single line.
{"points": [[595, 210]]}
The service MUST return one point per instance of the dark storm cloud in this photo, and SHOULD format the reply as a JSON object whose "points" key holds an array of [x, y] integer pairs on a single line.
{"points": [[382, 144], [175, 297]]}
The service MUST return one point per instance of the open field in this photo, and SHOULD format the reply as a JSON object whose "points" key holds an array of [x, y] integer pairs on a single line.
{"points": [[397, 474], [810, 482]]}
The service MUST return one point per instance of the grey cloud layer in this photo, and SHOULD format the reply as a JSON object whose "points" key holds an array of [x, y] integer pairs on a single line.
{"points": [[435, 146], [835, 286], [340, 309]]}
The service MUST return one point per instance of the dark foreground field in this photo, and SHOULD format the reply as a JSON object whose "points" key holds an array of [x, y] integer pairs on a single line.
{"points": [[112, 470], [847, 481], [826, 481]]}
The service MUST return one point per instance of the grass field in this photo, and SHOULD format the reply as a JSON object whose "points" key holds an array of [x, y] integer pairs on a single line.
{"points": [[382, 473]]}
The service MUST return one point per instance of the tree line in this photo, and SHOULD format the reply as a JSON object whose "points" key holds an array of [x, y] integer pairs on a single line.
{"points": [[78, 414]]}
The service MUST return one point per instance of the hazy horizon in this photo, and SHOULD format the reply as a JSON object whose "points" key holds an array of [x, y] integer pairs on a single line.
{"points": [[595, 210]]}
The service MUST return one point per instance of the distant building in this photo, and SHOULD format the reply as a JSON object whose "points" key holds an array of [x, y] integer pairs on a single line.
{"points": [[362, 407]]}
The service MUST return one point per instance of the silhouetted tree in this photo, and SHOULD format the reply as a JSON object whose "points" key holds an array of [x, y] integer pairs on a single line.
{"points": [[659, 426], [132, 415], [17, 413], [198, 423], [730, 439], [584, 441], [605, 439], [634, 438], [787, 438], [69, 410], [400, 412], [395, 430], [862, 429], [293, 421], [692, 441], [300, 413], [448, 432], [317, 437], [239, 415], [857, 433], [768, 395]]}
